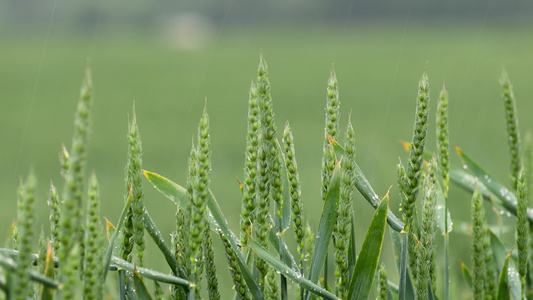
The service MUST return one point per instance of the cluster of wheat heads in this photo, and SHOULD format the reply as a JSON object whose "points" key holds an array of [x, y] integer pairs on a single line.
{"points": [[73, 260]]}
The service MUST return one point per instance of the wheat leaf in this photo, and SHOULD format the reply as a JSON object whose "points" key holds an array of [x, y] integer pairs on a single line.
{"points": [[367, 262]]}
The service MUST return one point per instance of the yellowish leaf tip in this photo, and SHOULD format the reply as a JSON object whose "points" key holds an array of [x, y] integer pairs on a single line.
{"points": [[458, 150], [330, 139], [241, 186], [387, 194], [108, 226]]}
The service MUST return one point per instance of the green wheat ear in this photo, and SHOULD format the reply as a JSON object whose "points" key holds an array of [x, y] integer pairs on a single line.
{"points": [[133, 179], [25, 220], [94, 242], [478, 249], [210, 268], [159, 294], [330, 131], [240, 287], [41, 252], [180, 242], [53, 203], [383, 287], [513, 135], [443, 140], [269, 166], [268, 136], [522, 228], [490, 268], [272, 289], [294, 191], [64, 161], [443, 157], [410, 178], [199, 200], [309, 241], [70, 234], [343, 227], [416, 158], [250, 166], [427, 243]]}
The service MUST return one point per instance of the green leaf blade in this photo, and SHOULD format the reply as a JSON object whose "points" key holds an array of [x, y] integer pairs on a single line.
{"points": [[506, 196], [109, 251], [217, 222], [367, 263], [325, 228], [503, 284], [140, 288], [171, 190], [366, 190], [293, 274]]}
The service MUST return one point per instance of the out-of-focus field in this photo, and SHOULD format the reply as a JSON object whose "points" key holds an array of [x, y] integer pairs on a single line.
{"points": [[378, 68]]}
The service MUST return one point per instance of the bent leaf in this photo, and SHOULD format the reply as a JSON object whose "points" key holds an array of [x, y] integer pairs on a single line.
{"points": [[366, 190], [292, 274], [506, 197], [171, 190], [217, 222], [367, 263], [119, 263]]}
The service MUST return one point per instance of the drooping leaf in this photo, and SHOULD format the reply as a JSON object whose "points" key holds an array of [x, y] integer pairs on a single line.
{"points": [[366, 190], [507, 197], [9, 264], [367, 263], [281, 247], [121, 264], [140, 288], [467, 181], [217, 222], [152, 230], [325, 227], [503, 284], [171, 190], [174, 192], [293, 274]]}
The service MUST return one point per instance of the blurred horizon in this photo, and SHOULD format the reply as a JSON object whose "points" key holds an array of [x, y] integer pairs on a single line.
{"points": [[27, 16]]}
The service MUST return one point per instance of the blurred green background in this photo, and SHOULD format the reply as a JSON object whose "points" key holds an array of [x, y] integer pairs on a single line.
{"points": [[168, 57]]}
